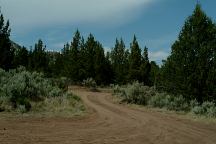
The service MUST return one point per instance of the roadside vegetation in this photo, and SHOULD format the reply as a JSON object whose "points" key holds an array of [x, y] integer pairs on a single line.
{"points": [[137, 93], [90, 83], [22, 91]]}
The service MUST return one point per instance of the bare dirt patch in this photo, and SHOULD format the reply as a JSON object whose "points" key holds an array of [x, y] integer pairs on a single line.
{"points": [[107, 123]]}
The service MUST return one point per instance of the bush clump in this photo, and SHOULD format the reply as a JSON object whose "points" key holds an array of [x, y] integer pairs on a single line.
{"points": [[137, 93], [65, 105], [18, 88], [90, 83], [170, 102], [207, 108]]}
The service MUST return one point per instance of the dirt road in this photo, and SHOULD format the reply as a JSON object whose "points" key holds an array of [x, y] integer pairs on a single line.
{"points": [[108, 123]]}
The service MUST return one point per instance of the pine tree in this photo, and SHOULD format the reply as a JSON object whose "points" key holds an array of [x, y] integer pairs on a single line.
{"points": [[145, 68], [90, 56], [75, 57], [58, 69], [145, 55], [21, 57], [6, 51], [134, 60], [83, 61], [119, 61], [100, 64], [65, 60], [154, 74], [190, 69], [38, 58]]}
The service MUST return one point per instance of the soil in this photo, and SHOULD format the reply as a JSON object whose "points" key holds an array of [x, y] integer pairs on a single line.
{"points": [[107, 123]]}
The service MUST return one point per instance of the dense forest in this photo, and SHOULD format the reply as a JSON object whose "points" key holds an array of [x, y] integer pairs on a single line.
{"points": [[190, 70]]}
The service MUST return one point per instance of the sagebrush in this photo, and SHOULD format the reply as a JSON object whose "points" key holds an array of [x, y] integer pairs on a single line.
{"points": [[20, 88], [137, 93]]}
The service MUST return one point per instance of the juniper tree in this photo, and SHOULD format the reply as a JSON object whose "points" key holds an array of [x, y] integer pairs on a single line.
{"points": [[190, 69], [6, 51]]}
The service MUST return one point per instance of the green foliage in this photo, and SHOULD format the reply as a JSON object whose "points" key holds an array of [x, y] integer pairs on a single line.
{"points": [[134, 60], [136, 93], [139, 94], [66, 105], [154, 75], [170, 102], [145, 69], [82, 60], [38, 58], [61, 83], [120, 62], [116, 89], [190, 69], [207, 108], [6, 51], [21, 57], [20, 87], [90, 83]]}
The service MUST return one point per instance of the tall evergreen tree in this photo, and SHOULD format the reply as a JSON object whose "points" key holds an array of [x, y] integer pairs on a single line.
{"points": [[6, 51], [134, 60], [100, 65], [154, 74], [65, 55], [83, 61], [75, 57], [145, 68], [119, 61], [90, 56], [21, 57], [58, 69], [38, 58], [190, 69]]}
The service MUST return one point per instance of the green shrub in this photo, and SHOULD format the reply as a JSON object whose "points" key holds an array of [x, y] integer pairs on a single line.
{"points": [[159, 100], [135, 93], [72, 97], [61, 83], [170, 102], [21, 109], [116, 89], [198, 110], [211, 112], [20, 87], [5, 104], [193, 103], [90, 83], [65, 105], [207, 108]]}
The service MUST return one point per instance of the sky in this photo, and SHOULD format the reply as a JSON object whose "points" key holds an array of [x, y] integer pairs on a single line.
{"points": [[156, 23]]}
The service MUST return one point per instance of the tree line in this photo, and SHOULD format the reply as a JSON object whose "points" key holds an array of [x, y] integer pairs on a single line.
{"points": [[190, 69]]}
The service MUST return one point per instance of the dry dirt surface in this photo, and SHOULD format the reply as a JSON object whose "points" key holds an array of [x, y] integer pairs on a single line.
{"points": [[107, 123]]}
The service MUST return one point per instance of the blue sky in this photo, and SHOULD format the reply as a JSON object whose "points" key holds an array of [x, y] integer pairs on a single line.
{"points": [[156, 23]]}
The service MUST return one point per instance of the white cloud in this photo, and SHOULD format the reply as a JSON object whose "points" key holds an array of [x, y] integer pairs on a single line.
{"points": [[162, 41], [158, 56], [33, 13], [107, 49], [56, 46]]}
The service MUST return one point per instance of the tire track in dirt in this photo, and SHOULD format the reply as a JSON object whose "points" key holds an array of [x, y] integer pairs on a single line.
{"points": [[107, 123]]}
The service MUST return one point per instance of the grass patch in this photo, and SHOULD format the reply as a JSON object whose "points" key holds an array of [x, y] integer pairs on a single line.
{"points": [[67, 105]]}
